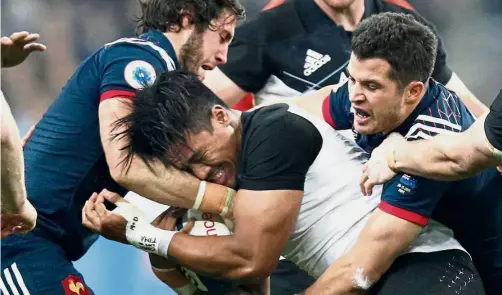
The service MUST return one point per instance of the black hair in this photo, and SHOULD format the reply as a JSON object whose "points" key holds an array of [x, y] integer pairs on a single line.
{"points": [[163, 114], [167, 15], [406, 44]]}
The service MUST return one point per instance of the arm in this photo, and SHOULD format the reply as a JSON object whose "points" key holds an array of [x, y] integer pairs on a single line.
{"points": [[224, 87], [18, 215], [13, 187], [468, 98], [166, 186], [447, 156], [382, 240], [261, 231]]}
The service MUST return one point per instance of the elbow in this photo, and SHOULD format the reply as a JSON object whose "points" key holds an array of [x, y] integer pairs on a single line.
{"points": [[252, 270]]}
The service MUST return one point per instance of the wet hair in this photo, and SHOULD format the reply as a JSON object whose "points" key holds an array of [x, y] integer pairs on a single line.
{"points": [[163, 114], [409, 46]]}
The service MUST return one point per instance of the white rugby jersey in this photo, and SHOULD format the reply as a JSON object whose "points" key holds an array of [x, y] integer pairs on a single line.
{"points": [[334, 211]]}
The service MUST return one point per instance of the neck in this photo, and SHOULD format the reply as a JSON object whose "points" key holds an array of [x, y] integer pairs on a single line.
{"points": [[348, 17], [178, 40], [407, 110]]}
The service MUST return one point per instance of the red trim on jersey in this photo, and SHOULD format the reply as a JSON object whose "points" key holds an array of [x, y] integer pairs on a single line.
{"points": [[245, 104], [326, 114], [403, 214], [273, 4], [402, 3], [117, 93]]}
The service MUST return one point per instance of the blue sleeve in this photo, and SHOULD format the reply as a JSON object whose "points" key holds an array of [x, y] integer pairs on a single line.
{"points": [[336, 108], [412, 198], [126, 66]]}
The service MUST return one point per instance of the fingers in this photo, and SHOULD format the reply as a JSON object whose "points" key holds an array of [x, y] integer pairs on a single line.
{"points": [[188, 227], [89, 214], [368, 187], [100, 206], [362, 181], [6, 41], [112, 197], [30, 38], [35, 47], [18, 36]]}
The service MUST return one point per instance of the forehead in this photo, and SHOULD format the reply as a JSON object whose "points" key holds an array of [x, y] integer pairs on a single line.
{"points": [[371, 68], [226, 21]]}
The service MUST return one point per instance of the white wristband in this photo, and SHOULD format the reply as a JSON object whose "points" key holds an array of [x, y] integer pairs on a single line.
{"points": [[188, 289], [200, 195], [148, 238], [128, 211]]}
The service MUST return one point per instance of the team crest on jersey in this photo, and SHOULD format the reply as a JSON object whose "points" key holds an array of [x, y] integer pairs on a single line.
{"points": [[407, 184], [139, 73], [74, 285]]}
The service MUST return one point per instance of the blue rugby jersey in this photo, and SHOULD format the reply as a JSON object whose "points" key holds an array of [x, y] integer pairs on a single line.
{"points": [[64, 158]]}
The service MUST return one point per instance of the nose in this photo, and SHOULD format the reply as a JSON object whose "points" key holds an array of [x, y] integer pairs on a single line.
{"points": [[356, 94], [221, 55], [200, 171]]}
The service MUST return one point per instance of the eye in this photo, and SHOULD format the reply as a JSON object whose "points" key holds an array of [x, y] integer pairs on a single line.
{"points": [[352, 80], [372, 87]]}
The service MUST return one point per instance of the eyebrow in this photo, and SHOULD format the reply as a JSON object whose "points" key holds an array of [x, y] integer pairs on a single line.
{"points": [[363, 81]]}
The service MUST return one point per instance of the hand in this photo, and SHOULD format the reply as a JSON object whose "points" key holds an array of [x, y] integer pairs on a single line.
{"points": [[21, 221], [98, 219], [167, 220], [376, 170], [17, 47]]}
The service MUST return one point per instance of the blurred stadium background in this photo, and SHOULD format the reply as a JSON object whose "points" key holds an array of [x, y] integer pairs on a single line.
{"points": [[73, 29]]}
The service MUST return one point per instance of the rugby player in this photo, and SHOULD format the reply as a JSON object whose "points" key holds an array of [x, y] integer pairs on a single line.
{"points": [[298, 193], [304, 45], [70, 153], [17, 214], [390, 90], [444, 157]]}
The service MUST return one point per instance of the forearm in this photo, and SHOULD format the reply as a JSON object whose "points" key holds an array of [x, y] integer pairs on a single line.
{"points": [[215, 256], [12, 161], [437, 158]]}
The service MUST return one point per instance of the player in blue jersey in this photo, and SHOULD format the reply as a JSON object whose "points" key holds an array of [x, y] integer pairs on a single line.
{"points": [[390, 89], [443, 157], [75, 150]]}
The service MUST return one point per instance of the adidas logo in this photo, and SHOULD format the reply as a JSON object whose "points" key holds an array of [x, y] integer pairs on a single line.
{"points": [[313, 61]]}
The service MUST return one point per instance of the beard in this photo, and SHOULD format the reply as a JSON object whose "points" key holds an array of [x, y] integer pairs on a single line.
{"points": [[191, 54]]}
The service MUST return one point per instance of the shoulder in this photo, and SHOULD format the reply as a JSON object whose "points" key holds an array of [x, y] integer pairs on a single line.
{"points": [[270, 25], [445, 113], [136, 48]]}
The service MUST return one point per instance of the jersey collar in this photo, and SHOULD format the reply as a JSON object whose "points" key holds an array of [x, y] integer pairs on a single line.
{"points": [[159, 39], [312, 16]]}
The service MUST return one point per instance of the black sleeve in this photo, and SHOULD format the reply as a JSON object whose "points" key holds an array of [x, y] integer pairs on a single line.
{"points": [[493, 123], [246, 64], [278, 155], [442, 73]]}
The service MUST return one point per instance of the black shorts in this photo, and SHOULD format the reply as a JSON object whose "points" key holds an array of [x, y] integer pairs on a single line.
{"points": [[438, 273]]}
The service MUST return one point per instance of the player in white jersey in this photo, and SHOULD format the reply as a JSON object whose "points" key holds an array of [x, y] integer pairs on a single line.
{"points": [[298, 195]]}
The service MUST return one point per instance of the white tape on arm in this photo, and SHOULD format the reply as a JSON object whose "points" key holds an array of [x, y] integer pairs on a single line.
{"points": [[200, 195], [128, 211], [148, 238]]}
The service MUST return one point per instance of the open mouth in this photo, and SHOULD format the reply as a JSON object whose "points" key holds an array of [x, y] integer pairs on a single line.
{"points": [[361, 113], [217, 176]]}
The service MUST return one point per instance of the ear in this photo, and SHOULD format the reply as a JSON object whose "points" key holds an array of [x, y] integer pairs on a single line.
{"points": [[187, 20], [220, 115], [414, 92]]}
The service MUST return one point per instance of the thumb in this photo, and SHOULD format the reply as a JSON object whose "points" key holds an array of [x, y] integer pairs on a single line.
{"points": [[112, 197], [189, 226]]}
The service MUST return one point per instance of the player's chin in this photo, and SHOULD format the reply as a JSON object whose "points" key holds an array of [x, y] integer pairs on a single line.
{"points": [[365, 129]]}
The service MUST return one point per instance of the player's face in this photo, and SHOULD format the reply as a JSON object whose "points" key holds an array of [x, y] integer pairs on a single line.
{"points": [[212, 156], [376, 99], [205, 50]]}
